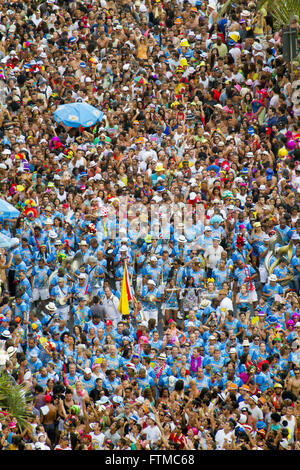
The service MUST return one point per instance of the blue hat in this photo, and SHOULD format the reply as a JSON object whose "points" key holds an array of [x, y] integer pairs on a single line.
{"points": [[239, 429], [272, 319], [244, 170], [260, 425], [216, 168], [251, 130], [216, 218], [231, 42], [117, 399]]}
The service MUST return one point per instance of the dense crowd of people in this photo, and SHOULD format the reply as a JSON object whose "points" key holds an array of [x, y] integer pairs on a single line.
{"points": [[191, 181]]}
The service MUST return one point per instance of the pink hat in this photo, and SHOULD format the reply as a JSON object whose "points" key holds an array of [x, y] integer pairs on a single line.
{"points": [[144, 339], [12, 425], [290, 145], [227, 109]]}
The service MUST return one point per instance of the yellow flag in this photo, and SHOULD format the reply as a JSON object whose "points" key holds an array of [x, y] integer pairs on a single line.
{"points": [[125, 294]]}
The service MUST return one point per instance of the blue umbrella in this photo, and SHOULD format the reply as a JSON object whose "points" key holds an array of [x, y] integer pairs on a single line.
{"points": [[77, 114], [6, 242], [8, 211]]}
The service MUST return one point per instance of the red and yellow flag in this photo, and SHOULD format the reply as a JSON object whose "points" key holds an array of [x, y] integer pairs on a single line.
{"points": [[126, 294]]}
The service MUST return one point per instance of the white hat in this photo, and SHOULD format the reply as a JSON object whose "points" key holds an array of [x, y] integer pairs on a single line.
{"points": [[150, 281], [162, 356], [87, 371], [257, 47], [50, 306], [83, 243], [273, 278], [153, 258], [140, 400], [27, 375], [52, 234], [182, 239], [82, 276], [193, 196], [232, 350], [246, 343], [11, 350], [207, 228], [6, 334], [102, 401]]}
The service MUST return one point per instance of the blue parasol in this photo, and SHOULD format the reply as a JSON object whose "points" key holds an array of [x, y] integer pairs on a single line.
{"points": [[6, 242], [77, 114], [8, 211]]}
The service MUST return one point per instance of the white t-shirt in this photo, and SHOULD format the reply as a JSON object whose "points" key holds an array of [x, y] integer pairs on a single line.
{"points": [[221, 436], [97, 440], [213, 256], [226, 303], [291, 426], [153, 433]]}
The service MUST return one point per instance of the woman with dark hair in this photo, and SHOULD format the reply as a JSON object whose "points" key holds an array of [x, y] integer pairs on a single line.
{"points": [[190, 296]]}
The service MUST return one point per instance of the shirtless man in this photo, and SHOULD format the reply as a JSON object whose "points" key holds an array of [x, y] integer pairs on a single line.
{"points": [[49, 419], [293, 383]]}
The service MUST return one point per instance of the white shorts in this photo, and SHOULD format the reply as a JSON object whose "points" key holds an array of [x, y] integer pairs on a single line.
{"points": [[63, 312], [151, 314], [263, 273], [40, 294]]}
